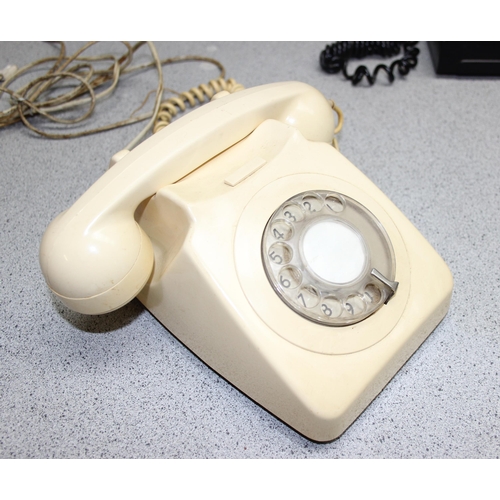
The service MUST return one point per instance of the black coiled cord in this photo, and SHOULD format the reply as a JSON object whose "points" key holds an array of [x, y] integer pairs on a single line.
{"points": [[336, 56]]}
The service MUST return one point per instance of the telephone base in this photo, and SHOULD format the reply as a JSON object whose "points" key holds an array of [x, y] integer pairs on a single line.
{"points": [[209, 287]]}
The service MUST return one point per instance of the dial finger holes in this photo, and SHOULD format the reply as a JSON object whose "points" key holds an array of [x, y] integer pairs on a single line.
{"points": [[335, 203], [308, 297], [290, 277], [331, 307], [281, 230], [312, 203], [322, 252], [280, 254], [293, 212], [355, 305], [372, 294]]}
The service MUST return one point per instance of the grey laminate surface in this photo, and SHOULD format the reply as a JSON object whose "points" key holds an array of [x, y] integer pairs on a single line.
{"points": [[120, 386]]}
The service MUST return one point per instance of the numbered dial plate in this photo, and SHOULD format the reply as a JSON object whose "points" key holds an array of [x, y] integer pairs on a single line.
{"points": [[328, 258]]}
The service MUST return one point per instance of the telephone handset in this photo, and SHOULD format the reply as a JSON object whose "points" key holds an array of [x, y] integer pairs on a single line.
{"points": [[263, 250], [95, 257]]}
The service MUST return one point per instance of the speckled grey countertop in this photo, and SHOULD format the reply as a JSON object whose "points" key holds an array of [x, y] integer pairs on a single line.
{"points": [[121, 386]]}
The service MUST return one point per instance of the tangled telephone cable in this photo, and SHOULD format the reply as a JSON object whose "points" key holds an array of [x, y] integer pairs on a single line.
{"points": [[33, 98], [335, 57], [95, 83]]}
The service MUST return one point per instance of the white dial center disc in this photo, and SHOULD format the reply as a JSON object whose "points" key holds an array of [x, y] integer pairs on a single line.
{"points": [[334, 251]]}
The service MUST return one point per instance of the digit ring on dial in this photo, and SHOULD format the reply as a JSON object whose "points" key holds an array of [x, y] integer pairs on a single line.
{"points": [[328, 258]]}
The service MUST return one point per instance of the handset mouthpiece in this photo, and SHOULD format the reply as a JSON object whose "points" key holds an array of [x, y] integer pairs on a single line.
{"points": [[97, 269]]}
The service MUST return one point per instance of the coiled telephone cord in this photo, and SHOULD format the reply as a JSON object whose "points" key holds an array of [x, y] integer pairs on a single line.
{"points": [[197, 95], [334, 58], [193, 97], [340, 123]]}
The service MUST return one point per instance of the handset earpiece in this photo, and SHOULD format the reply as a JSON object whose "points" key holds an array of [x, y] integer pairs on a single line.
{"points": [[95, 256]]}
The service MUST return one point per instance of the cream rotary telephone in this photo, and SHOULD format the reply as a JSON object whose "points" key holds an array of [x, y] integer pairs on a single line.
{"points": [[263, 250]]}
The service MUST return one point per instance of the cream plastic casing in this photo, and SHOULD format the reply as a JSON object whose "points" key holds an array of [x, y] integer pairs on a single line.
{"points": [[209, 288]]}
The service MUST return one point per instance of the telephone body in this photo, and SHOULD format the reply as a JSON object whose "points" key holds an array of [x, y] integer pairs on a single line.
{"points": [[227, 226]]}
